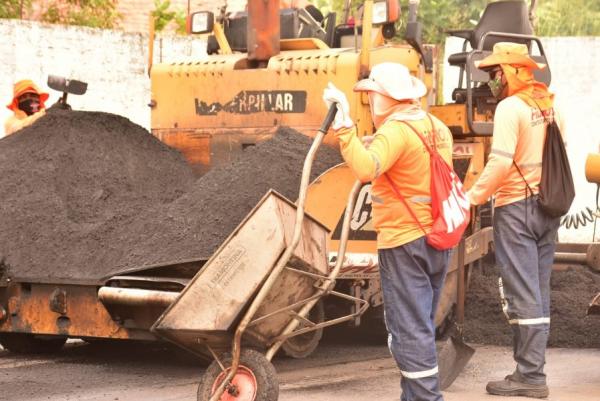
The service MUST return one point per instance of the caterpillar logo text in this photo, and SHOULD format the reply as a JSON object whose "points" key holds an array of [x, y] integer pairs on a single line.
{"points": [[361, 225], [248, 102]]}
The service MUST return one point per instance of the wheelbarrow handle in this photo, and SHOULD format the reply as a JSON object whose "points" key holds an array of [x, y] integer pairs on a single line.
{"points": [[329, 118]]}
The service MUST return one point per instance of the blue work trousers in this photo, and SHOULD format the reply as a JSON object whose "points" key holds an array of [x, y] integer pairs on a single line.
{"points": [[525, 240], [412, 277]]}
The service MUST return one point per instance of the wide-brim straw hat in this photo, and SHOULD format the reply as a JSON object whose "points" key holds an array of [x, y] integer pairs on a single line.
{"points": [[392, 80], [509, 53], [22, 87]]}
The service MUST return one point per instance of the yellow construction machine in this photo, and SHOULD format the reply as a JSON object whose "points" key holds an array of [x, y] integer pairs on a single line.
{"points": [[267, 68]]}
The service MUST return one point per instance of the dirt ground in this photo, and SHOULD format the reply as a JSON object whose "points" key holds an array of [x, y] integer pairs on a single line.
{"points": [[336, 372], [572, 290], [84, 195], [68, 181], [196, 224]]}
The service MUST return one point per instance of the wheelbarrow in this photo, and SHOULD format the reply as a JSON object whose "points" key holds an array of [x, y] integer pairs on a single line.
{"points": [[256, 292]]}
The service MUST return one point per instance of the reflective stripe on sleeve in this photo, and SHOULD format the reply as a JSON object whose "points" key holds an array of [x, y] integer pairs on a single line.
{"points": [[377, 165], [502, 153], [421, 374], [376, 199], [420, 199], [530, 165], [529, 322]]}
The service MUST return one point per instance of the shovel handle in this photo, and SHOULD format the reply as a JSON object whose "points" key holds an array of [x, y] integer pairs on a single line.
{"points": [[328, 119], [461, 293]]}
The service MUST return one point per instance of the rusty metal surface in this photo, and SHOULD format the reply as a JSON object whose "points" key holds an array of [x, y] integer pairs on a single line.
{"points": [[263, 29], [209, 306], [70, 310], [478, 245]]}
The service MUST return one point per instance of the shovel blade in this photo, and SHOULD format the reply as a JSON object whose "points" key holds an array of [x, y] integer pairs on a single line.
{"points": [[71, 86], [453, 356]]}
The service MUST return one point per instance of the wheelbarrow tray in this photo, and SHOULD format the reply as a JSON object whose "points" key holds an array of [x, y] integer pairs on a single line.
{"points": [[207, 310]]}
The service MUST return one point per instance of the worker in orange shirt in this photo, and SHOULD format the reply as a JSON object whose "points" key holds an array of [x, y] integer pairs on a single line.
{"points": [[524, 236], [28, 104], [412, 272]]}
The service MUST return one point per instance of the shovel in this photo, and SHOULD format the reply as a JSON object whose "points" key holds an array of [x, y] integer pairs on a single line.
{"points": [[66, 86], [454, 354]]}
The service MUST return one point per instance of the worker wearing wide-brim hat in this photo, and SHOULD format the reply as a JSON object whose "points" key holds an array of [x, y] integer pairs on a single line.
{"points": [[412, 272], [28, 104], [524, 236]]}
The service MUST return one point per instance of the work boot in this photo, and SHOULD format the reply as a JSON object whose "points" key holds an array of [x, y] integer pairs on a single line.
{"points": [[510, 386]]}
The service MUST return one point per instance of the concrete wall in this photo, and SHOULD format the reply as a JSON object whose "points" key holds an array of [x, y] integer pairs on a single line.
{"points": [[115, 66], [113, 63]]}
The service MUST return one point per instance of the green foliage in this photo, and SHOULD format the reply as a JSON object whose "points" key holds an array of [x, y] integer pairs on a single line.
{"points": [[14, 8], [568, 18], [439, 16], [555, 17], [91, 13], [163, 16], [181, 22]]}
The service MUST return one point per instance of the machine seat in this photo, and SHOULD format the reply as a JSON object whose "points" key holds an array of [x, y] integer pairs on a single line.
{"points": [[458, 59], [508, 16]]}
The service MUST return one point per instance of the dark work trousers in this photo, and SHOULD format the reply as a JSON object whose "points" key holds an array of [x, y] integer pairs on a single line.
{"points": [[525, 241], [412, 276]]}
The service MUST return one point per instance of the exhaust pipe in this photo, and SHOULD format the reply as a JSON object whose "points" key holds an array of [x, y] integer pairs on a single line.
{"points": [[591, 257], [136, 297]]}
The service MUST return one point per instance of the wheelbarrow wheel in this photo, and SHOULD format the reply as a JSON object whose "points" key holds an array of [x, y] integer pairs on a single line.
{"points": [[305, 344], [255, 379], [25, 343]]}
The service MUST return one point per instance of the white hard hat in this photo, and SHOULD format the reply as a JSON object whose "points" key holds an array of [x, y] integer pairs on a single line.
{"points": [[392, 80]]}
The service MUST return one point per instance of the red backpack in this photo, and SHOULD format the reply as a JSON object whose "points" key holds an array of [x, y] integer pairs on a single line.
{"points": [[450, 207]]}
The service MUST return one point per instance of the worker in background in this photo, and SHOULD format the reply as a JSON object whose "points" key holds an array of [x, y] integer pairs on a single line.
{"points": [[412, 272], [27, 105], [524, 236]]}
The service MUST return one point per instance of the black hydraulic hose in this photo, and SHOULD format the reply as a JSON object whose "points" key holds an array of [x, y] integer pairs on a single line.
{"points": [[583, 217], [579, 219]]}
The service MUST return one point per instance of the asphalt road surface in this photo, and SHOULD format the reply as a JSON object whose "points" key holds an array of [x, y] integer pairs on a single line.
{"points": [[130, 372]]}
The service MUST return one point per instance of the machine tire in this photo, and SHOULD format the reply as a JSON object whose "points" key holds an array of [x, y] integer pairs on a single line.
{"points": [[255, 374], [25, 343], [303, 345]]}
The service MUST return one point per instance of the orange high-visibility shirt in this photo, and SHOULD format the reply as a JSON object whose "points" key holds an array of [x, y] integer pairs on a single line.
{"points": [[397, 151], [519, 135]]}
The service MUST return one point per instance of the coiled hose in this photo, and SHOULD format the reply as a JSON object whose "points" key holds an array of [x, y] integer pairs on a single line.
{"points": [[580, 219], [583, 217]]}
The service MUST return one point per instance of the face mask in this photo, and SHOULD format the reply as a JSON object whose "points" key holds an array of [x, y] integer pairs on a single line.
{"points": [[496, 87], [30, 106]]}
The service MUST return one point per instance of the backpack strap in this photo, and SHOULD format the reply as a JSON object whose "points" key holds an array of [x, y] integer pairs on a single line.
{"points": [[399, 195], [427, 146], [527, 186], [431, 151], [523, 177]]}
